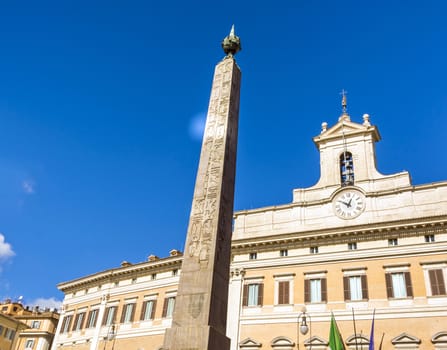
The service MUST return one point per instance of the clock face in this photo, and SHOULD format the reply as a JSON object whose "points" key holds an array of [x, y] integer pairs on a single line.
{"points": [[349, 204]]}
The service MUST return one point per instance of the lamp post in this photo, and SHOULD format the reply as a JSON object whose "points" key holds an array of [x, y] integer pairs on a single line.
{"points": [[111, 335], [302, 326]]}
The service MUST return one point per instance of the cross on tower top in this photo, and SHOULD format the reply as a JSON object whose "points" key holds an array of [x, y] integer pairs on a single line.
{"points": [[344, 101]]}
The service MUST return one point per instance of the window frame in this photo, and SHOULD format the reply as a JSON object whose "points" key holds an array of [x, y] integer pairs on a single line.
{"points": [[126, 315], [246, 294], [168, 306], [143, 315], [347, 290], [407, 284], [92, 318]]}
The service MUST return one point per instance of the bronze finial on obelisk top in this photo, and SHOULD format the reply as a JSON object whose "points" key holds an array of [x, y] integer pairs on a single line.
{"points": [[199, 321], [231, 44]]}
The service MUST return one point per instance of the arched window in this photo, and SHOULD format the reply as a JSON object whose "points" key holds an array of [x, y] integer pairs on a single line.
{"points": [[346, 169]]}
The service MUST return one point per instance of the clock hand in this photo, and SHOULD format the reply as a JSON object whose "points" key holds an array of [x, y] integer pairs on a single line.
{"points": [[347, 204]]}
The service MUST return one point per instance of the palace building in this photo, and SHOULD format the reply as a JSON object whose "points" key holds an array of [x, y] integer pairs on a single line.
{"points": [[356, 243]]}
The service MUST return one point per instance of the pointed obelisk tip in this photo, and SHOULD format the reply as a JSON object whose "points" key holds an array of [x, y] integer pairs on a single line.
{"points": [[231, 44]]}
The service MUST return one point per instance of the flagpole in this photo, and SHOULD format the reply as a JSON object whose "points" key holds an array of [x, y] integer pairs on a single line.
{"points": [[381, 341], [355, 331]]}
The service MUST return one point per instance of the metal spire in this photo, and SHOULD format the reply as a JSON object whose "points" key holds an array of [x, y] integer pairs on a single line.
{"points": [[344, 101]]}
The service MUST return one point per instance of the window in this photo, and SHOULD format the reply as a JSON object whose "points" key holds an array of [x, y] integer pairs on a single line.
{"points": [[437, 284], [429, 238], [283, 292], [392, 242], [133, 280], [253, 294], [346, 169], [253, 256], [283, 252], [116, 284], [66, 324], [10, 334], [355, 287], [79, 321], [398, 285], [128, 312], [153, 276], [174, 272], [29, 344], [92, 318], [352, 246], [110, 316], [315, 290], [313, 250], [148, 310], [35, 324], [168, 307]]}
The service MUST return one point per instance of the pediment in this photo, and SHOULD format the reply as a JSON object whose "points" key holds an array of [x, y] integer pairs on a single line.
{"points": [[405, 338], [249, 343], [357, 340], [315, 341], [439, 338], [346, 127], [282, 343]]}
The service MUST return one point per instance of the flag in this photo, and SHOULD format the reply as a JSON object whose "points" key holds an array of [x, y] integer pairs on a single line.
{"points": [[371, 336], [335, 339]]}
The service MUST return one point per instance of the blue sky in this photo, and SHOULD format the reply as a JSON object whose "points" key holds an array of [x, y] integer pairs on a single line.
{"points": [[99, 101]]}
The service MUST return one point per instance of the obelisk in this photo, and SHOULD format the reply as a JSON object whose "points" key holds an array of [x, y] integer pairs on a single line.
{"points": [[199, 319]]}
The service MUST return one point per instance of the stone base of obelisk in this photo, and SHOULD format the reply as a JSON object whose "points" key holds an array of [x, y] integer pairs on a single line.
{"points": [[195, 338]]}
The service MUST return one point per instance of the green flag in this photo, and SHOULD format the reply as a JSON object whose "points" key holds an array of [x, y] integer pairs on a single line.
{"points": [[335, 339]]}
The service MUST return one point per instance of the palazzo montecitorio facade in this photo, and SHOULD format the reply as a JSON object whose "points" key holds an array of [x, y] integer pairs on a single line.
{"points": [[356, 243]]}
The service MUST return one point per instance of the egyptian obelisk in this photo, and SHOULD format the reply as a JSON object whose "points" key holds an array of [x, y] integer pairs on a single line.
{"points": [[199, 319]]}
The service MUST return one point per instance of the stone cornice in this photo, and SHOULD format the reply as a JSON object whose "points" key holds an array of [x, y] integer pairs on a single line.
{"points": [[112, 275], [329, 199], [340, 235]]}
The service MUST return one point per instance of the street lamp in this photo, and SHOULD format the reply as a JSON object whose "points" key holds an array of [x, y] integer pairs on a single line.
{"points": [[302, 326], [111, 335]]}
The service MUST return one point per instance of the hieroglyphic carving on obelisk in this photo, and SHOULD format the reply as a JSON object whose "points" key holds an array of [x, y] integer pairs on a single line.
{"points": [[199, 319]]}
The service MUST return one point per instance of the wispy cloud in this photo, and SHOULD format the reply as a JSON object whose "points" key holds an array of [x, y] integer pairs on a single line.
{"points": [[5, 248], [197, 126], [28, 186], [51, 303]]}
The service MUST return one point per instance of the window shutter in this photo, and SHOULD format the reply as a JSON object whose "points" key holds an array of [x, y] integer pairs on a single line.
{"points": [[307, 291], [437, 282], [132, 313], [323, 290], [165, 307], [123, 314], [261, 294], [280, 292], [408, 284], [154, 304], [389, 286], [75, 322], [283, 292], [245, 295], [286, 292], [82, 317], [364, 287], [106, 316], [346, 289], [143, 310]]}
